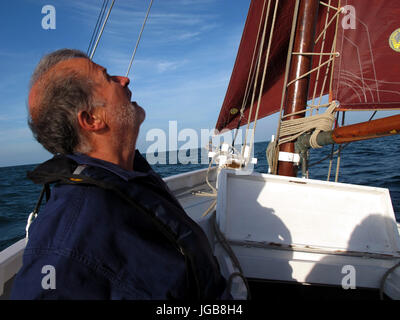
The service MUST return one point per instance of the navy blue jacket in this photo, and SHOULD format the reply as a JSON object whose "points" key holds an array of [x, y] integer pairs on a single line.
{"points": [[99, 247]]}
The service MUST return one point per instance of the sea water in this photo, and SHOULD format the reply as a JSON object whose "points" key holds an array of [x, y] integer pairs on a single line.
{"points": [[371, 163]]}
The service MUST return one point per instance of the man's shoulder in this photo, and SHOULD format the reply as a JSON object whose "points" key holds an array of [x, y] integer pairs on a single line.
{"points": [[56, 273], [74, 215]]}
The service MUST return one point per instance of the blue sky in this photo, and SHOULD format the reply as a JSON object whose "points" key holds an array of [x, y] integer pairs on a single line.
{"points": [[181, 69], [180, 73]]}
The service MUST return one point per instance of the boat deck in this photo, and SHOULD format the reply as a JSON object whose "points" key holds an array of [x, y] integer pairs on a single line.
{"points": [[195, 206], [267, 275]]}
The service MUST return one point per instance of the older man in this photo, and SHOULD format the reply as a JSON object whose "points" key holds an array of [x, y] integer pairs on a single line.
{"points": [[111, 229]]}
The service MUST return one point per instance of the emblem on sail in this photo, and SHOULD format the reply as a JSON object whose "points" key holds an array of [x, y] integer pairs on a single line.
{"points": [[394, 40]]}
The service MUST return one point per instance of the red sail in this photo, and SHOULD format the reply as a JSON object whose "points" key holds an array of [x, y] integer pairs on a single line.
{"points": [[365, 73]]}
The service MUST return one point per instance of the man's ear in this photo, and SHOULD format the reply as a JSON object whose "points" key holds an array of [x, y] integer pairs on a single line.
{"points": [[90, 121]]}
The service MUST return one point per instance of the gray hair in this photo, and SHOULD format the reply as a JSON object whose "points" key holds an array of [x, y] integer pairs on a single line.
{"points": [[55, 124]]}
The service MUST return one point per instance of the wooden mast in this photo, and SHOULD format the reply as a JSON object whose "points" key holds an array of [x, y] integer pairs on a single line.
{"points": [[298, 91]]}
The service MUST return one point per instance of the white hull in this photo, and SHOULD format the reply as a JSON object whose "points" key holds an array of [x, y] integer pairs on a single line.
{"points": [[286, 229]]}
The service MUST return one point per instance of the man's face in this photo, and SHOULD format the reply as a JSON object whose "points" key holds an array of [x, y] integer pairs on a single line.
{"points": [[119, 113]]}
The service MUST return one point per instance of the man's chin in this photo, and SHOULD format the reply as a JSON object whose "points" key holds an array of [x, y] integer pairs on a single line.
{"points": [[139, 112], [143, 114]]}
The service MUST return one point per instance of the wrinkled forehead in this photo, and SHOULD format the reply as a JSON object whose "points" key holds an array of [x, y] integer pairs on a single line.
{"points": [[80, 66]]}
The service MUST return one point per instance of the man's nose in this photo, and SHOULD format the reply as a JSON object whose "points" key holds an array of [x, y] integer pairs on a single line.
{"points": [[124, 81]]}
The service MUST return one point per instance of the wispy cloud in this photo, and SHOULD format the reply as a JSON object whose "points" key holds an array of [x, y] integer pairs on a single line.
{"points": [[164, 66], [169, 23]]}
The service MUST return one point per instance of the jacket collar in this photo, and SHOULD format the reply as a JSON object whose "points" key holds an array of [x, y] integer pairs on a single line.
{"points": [[140, 165]]}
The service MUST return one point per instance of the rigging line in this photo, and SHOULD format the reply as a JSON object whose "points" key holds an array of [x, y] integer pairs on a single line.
{"points": [[250, 78], [329, 156], [101, 31], [334, 49], [328, 178], [288, 62], [329, 23], [332, 55], [311, 71], [320, 60], [306, 110], [330, 66], [373, 115], [339, 152], [383, 280], [317, 53], [329, 6], [138, 40], [292, 129], [256, 77], [264, 75], [328, 70], [96, 28]]}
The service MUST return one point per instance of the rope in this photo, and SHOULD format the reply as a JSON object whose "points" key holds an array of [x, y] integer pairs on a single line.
{"points": [[97, 26], [292, 129], [329, 68], [329, 6], [225, 244], [330, 163], [329, 23], [138, 40], [250, 79], [101, 31], [257, 72], [274, 165], [339, 152], [387, 273], [309, 108], [33, 215], [270, 154], [334, 49], [214, 190], [263, 78], [312, 70], [320, 59]]}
